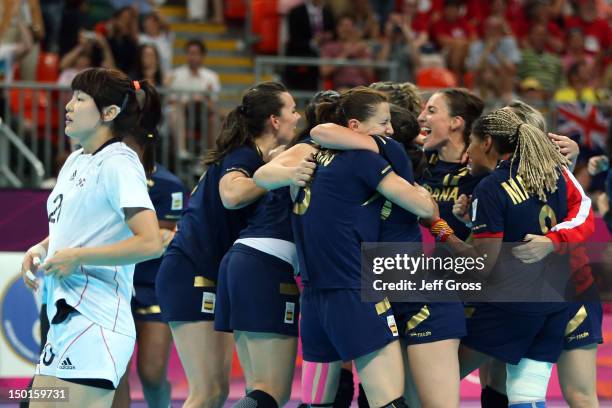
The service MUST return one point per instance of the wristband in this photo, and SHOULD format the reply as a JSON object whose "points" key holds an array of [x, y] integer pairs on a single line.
{"points": [[441, 230]]}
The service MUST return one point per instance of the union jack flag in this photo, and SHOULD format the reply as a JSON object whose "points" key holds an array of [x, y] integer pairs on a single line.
{"points": [[583, 122]]}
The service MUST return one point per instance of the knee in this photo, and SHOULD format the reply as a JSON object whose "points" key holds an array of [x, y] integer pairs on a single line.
{"points": [[577, 397], [152, 374]]}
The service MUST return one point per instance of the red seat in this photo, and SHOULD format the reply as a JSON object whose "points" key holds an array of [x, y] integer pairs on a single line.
{"points": [[435, 78], [48, 67], [235, 9], [266, 23]]}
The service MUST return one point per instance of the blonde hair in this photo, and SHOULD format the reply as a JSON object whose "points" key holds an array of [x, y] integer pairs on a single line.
{"points": [[528, 114], [541, 164], [405, 95]]}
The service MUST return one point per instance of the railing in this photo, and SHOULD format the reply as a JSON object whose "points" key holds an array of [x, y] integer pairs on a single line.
{"points": [[34, 115], [387, 70]]}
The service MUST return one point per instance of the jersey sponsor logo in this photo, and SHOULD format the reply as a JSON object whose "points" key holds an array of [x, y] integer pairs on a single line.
{"points": [[208, 302], [421, 334], [177, 201], [66, 364], [289, 312], [580, 336], [392, 325]]}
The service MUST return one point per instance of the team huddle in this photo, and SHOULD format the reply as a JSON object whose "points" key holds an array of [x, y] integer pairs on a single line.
{"points": [[269, 247]]}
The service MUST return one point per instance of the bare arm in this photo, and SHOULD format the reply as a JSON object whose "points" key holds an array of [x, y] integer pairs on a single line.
{"points": [[145, 244], [237, 190], [332, 136], [411, 198], [280, 171]]}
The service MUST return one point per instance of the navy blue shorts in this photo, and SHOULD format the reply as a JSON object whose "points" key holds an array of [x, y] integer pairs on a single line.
{"points": [[183, 294], [145, 306], [509, 336], [337, 325], [256, 292], [420, 323], [584, 326]]}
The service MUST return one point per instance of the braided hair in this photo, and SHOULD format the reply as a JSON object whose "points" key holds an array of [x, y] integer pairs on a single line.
{"points": [[540, 162]]}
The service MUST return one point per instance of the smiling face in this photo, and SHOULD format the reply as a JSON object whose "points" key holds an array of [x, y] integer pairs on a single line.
{"points": [[377, 124], [82, 116], [287, 120], [479, 153], [435, 121]]}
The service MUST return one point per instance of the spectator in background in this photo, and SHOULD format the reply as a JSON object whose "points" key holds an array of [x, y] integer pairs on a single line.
{"points": [[537, 63], [365, 20], [493, 60], [347, 45], [575, 50], [52, 16], [148, 65], [418, 21], [539, 12], [155, 31], [197, 9], [92, 50], [532, 92], [598, 35], [402, 44], [577, 88], [192, 76], [453, 35], [122, 36], [310, 25], [13, 50]]}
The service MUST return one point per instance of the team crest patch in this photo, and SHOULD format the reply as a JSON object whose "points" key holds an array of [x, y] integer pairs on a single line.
{"points": [[289, 312], [177, 201], [392, 325], [208, 302]]}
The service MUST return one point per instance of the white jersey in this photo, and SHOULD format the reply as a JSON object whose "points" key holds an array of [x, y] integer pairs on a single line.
{"points": [[86, 210]]}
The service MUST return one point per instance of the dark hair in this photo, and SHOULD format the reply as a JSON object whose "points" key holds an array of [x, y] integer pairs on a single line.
{"points": [[464, 104], [196, 42], [405, 129], [140, 108], [574, 69], [453, 3], [139, 69], [246, 122], [310, 113], [540, 161], [358, 103]]}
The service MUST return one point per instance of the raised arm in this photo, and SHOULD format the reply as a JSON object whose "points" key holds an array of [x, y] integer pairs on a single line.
{"points": [[411, 198], [332, 136], [280, 171], [237, 190]]}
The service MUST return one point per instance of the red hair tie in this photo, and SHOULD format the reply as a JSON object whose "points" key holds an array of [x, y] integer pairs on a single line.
{"points": [[136, 85]]}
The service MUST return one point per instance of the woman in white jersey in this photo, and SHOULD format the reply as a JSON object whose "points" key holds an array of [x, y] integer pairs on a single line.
{"points": [[101, 222]]}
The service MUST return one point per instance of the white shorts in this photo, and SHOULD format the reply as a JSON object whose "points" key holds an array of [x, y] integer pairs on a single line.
{"points": [[80, 348]]}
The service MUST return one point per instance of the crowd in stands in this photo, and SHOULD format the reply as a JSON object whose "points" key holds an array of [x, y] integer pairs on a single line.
{"points": [[542, 51]]}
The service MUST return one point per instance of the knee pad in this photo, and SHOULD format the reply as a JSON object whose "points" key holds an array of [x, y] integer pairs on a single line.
{"points": [[527, 381], [398, 403], [489, 398], [257, 399], [346, 388]]}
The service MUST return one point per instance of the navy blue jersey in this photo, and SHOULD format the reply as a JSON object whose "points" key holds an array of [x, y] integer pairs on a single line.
{"points": [[272, 218], [168, 195], [501, 207], [338, 211], [398, 225], [207, 229], [446, 182]]}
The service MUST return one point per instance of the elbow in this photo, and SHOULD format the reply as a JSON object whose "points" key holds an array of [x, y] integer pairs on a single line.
{"points": [[156, 247], [230, 201]]}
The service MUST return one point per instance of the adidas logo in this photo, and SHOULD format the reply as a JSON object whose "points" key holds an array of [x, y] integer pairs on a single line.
{"points": [[66, 364]]}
